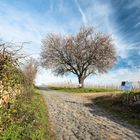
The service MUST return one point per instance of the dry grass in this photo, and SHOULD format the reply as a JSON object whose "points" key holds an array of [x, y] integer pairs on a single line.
{"points": [[122, 106]]}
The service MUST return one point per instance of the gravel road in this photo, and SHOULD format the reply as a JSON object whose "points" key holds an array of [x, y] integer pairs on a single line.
{"points": [[75, 117]]}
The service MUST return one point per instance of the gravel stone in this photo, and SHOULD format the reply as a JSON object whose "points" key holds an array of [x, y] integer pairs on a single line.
{"points": [[75, 117]]}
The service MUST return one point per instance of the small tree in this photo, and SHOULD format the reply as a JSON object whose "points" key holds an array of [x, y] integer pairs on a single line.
{"points": [[83, 54], [11, 76], [30, 70]]}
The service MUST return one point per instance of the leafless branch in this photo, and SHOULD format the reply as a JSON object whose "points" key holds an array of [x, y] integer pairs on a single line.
{"points": [[84, 54]]}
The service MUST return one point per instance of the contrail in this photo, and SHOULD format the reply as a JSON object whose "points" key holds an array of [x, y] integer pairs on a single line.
{"points": [[84, 18]]}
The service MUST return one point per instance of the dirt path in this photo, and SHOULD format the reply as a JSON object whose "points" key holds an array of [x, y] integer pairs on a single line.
{"points": [[74, 117]]}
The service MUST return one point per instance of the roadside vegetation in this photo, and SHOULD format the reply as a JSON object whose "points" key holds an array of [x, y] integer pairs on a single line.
{"points": [[28, 120], [125, 105], [23, 114], [82, 90]]}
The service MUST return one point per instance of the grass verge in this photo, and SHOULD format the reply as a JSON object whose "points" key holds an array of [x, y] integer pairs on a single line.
{"points": [[116, 105], [82, 90], [30, 120]]}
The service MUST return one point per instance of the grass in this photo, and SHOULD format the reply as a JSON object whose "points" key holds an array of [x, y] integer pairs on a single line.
{"points": [[82, 90], [32, 123], [115, 104]]}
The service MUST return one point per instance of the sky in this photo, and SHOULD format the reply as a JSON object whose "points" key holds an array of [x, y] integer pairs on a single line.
{"points": [[31, 20]]}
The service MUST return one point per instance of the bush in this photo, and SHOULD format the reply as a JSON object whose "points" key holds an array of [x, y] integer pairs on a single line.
{"points": [[125, 105], [130, 98], [28, 120], [19, 119], [13, 88]]}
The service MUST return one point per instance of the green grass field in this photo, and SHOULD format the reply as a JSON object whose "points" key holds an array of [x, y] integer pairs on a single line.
{"points": [[31, 122], [116, 104], [82, 90]]}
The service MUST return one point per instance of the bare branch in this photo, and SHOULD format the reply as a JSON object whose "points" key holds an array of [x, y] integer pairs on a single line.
{"points": [[84, 54]]}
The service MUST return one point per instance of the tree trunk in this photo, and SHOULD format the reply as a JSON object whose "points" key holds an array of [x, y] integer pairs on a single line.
{"points": [[81, 81]]}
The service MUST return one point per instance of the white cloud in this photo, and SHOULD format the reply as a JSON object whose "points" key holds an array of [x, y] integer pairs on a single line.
{"points": [[84, 18], [47, 77], [98, 14], [133, 4], [115, 77], [101, 15], [137, 24], [19, 26], [139, 52], [122, 47]]}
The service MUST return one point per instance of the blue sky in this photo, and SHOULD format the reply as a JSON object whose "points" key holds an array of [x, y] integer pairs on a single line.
{"points": [[31, 20]]}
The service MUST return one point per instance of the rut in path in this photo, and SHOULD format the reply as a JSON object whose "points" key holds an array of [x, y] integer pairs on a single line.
{"points": [[74, 117]]}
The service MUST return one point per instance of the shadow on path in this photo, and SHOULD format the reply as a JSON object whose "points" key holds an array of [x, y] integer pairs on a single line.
{"points": [[100, 112], [44, 88]]}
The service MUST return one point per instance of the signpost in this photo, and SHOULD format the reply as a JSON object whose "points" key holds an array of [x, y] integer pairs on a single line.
{"points": [[125, 85]]}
